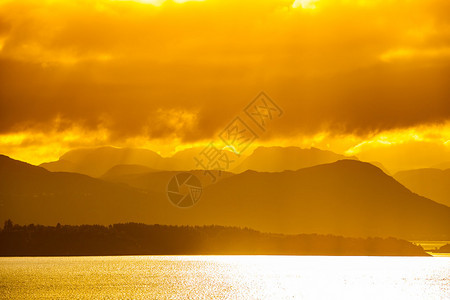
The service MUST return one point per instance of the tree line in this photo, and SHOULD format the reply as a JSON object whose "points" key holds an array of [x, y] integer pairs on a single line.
{"points": [[142, 239]]}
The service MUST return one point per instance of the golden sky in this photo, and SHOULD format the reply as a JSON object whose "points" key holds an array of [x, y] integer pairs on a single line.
{"points": [[362, 77]]}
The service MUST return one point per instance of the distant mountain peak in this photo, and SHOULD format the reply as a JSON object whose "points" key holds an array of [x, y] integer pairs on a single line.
{"points": [[95, 162], [278, 159], [8, 164]]}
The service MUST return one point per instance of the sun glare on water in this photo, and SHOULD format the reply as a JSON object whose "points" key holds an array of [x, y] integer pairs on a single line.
{"points": [[305, 4], [158, 2]]}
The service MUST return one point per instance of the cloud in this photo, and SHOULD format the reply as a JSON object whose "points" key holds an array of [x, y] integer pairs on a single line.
{"points": [[184, 70], [397, 156]]}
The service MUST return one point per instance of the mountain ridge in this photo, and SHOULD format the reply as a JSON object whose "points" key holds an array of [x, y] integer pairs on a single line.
{"points": [[348, 198], [278, 159], [429, 182], [96, 162]]}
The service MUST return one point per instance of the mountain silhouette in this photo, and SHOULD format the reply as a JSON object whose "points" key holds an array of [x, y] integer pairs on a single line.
{"points": [[443, 249], [184, 159], [125, 170], [96, 162], [380, 166], [278, 159], [431, 183], [442, 166], [348, 198], [157, 180], [32, 194]]}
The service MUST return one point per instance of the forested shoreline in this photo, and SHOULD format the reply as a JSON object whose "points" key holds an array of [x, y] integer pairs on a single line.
{"points": [[142, 239]]}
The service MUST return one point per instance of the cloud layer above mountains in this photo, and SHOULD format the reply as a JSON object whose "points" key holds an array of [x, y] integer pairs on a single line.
{"points": [[108, 72]]}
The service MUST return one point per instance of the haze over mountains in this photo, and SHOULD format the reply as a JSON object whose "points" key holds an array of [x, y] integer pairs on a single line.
{"points": [[442, 166], [157, 181], [97, 162], [431, 183], [121, 170], [347, 197], [278, 159]]}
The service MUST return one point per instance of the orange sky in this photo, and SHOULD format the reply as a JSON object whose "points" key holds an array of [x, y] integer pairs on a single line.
{"points": [[368, 78]]}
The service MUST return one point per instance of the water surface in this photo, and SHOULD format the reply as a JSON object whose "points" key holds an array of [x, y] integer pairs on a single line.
{"points": [[225, 277]]}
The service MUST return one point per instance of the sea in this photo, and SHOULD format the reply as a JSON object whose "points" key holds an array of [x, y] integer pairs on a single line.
{"points": [[225, 277]]}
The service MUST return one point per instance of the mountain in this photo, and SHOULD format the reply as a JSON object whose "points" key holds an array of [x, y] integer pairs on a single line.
{"points": [[157, 180], [31, 194], [442, 166], [431, 183], [380, 166], [348, 198], [185, 159], [443, 249], [96, 162], [278, 159], [125, 170]]}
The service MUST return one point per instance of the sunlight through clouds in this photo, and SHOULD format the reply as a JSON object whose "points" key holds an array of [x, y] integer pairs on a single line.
{"points": [[346, 72]]}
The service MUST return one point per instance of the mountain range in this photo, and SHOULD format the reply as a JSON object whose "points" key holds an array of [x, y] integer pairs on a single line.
{"points": [[347, 197], [442, 166], [97, 162], [279, 159]]}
